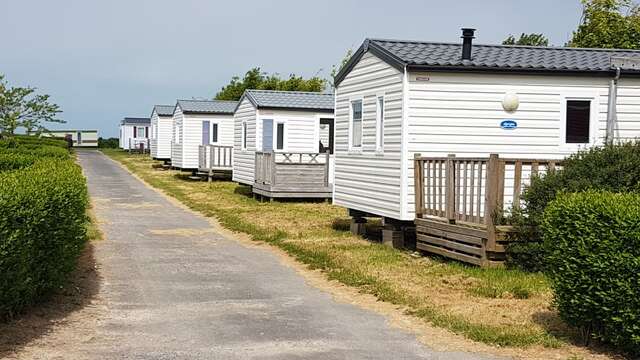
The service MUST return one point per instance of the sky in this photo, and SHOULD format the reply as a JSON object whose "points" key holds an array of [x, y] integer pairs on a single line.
{"points": [[104, 60]]}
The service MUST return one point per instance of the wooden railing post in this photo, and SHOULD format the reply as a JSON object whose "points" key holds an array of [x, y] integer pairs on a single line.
{"points": [[450, 192], [273, 168], [418, 180], [327, 159], [491, 199]]}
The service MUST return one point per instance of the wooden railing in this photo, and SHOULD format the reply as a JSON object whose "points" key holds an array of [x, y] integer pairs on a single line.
{"points": [[458, 200], [215, 157], [471, 189], [139, 144], [275, 168]]}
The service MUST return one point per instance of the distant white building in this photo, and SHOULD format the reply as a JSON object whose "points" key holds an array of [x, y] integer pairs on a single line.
{"points": [[199, 122], [134, 133], [81, 138], [161, 131]]}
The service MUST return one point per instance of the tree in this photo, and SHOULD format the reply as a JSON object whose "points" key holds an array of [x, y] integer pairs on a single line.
{"points": [[527, 39], [22, 107], [608, 24], [256, 79], [335, 69]]}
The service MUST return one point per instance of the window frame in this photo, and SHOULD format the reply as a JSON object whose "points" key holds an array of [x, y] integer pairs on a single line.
{"points": [[144, 133], [284, 135], [352, 147], [243, 140], [381, 110], [593, 121], [217, 127]]}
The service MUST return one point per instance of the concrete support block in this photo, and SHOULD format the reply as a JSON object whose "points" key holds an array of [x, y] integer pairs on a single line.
{"points": [[358, 226]]}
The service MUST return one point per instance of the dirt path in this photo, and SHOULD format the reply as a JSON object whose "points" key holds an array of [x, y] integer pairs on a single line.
{"points": [[174, 287]]}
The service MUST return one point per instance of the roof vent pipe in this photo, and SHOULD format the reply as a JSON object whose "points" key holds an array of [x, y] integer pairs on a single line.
{"points": [[467, 41]]}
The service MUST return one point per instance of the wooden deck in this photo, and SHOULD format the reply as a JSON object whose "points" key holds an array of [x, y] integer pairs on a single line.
{"points": [[215, 160], [292, 175], [460, 201]]}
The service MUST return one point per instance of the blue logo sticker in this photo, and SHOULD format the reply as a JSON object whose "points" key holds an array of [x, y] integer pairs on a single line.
{"points": [[508, 124]]}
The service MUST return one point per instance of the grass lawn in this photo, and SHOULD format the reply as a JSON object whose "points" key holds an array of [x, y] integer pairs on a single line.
{"points": [[493, 306]]}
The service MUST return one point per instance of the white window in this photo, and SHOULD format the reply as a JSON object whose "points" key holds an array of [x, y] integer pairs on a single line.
{"points": [[280, 136], [579, 115], [140, 132], [356, 124], [244, 135], [214, 133], [177, 135], [380, 124]]}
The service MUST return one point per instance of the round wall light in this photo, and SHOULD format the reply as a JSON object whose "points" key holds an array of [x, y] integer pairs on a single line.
{"points": [[510, 102]]}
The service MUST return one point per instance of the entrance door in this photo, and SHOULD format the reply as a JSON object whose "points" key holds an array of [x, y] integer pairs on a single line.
{"points": [[79, 137], [267, 135], [326, 135]]}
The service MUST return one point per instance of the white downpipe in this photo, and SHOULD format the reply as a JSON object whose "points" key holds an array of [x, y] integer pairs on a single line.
{"points": [[612, 115]]}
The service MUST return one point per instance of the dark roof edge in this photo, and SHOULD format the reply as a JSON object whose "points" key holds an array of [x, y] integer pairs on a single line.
{"points": [[517, 71], [376, 50], [288, 108]]}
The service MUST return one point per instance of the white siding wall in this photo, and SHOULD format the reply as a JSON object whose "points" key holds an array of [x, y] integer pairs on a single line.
{"points": [[126, 134], [153, 141], [176, 147], [192, 135], [244, 160], [461, 114], [367, 180], [165, 131]]}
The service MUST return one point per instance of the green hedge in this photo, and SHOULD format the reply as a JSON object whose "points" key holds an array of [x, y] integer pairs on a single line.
{"points": [[612, 167], [592, 241], [43, 202]]}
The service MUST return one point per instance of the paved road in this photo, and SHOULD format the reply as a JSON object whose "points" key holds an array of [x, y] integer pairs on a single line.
{"points": [[176, 289]]}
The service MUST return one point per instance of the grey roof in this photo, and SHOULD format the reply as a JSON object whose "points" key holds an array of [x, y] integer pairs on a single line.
{"points": [[135, 121], [419, 55], [164, 110], [290, 100], [207, 106]]}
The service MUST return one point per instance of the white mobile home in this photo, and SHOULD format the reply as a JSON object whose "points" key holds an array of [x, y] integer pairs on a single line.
{"points": [[80, 138], [297, 128], [161, 131], [396, 99], [196, 123], [134, 133]]}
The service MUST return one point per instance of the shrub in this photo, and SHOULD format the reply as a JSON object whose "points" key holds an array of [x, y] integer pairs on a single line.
{"points": [[15, 161], [108, 143], [610, 167], [43, 199], [592, 241]]}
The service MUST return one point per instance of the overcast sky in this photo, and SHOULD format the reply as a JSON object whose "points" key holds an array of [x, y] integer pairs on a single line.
{"points": [[103, 60]]}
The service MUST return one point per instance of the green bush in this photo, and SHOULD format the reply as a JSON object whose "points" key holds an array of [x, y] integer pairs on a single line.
{"points": [[612, 167], [108, 143], [43, 201], [592, 241], [42, 230], [35, 140], [15, 161]]}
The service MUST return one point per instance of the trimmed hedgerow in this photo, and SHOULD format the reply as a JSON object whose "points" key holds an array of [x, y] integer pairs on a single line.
{"points": [[43, 202], [592, 241], [15, 161], [612, 167]]}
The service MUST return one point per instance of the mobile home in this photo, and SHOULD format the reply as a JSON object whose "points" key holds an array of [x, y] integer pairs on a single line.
{"points": [[196, 123], [80, 138], [284, 143], [134, 133], [401, 100], [161, 127]]}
